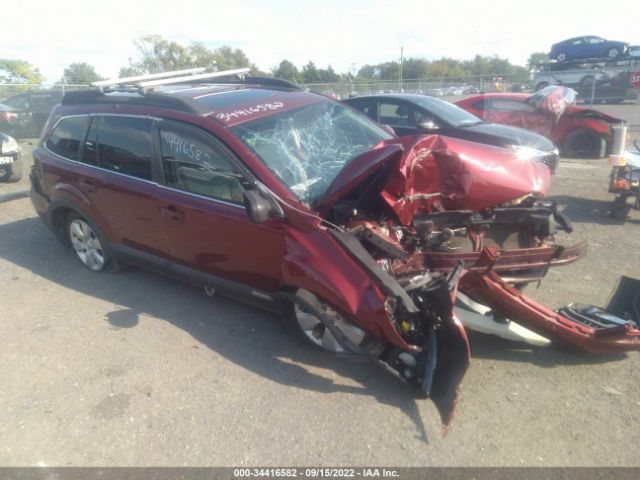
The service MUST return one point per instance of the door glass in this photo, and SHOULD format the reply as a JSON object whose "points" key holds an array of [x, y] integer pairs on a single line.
{"points": [[124, 145], [511, 106], [396, 114], [193, 163]]}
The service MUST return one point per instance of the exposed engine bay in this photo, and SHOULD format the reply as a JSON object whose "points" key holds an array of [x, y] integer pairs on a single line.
{"points": [[423, 244]]}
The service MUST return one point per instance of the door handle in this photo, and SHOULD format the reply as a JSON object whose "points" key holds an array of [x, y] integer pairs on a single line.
{"points": [[88, 185], [172, 212]]}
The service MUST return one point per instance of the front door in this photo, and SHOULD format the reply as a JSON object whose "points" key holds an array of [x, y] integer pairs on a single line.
{"points": [[205, 221]]}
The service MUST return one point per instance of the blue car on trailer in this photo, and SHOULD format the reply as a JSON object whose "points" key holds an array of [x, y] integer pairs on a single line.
{"points": [[588, 46]]}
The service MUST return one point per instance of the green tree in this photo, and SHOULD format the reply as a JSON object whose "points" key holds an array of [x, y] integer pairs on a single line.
{"points": [[157, 54], [328, 75], [368, 72], [19, 71], [535, 59], [286, 70], [310, 73], [80, 73]]}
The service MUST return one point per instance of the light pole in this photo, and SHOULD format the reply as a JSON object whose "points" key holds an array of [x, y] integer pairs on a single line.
{"points": [[401, 61]]}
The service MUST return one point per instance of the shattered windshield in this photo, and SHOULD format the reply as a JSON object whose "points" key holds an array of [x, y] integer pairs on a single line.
{"points": [[307, 147]]}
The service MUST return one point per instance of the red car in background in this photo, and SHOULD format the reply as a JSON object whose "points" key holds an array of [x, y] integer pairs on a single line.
{"points": [[578, 132]]}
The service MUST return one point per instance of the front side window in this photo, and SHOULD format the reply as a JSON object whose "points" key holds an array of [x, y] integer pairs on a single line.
{"points": [[194, 163], [511, 106], [368, 106], [395, 113], [306, 147], [124, 145], [67, 135]]}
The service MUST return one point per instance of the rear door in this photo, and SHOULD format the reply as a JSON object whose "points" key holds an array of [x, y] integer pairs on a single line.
{"points": [[123, 189], [202, 209]]}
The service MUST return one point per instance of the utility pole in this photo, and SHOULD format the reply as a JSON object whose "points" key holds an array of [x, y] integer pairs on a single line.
{"points": [[401, 61]]}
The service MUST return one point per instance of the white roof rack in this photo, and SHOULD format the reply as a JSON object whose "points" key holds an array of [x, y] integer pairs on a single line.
{"points": [[186, 78], [151, 76]]}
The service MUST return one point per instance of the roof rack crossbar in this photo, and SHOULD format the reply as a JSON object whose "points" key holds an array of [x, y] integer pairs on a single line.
{"points": [[151, 76], [187, 78]]}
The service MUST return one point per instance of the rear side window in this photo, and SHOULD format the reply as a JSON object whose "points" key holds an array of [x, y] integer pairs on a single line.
{"points": [[124, 145], [66, 137]]}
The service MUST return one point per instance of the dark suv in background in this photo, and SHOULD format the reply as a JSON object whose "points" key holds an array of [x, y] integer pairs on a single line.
{"points": [[27, 112]]}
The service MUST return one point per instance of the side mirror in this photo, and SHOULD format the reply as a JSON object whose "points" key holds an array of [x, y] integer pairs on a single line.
{"points": [[260, 208], [428, 125]]}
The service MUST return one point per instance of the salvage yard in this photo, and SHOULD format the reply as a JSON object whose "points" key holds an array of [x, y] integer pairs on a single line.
{"points": [[138, 369]]}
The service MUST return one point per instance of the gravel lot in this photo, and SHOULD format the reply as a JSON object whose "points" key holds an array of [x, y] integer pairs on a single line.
{"points": [[138, 369]]}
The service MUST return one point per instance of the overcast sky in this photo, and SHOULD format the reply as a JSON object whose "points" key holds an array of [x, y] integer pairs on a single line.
{"points": [[51, 35]]}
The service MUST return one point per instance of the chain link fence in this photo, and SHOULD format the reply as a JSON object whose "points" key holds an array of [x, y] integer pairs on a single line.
{"points": [[435, 86]]}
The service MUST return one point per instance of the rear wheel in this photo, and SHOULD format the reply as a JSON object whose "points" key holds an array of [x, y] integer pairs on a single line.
{"points": [[561, 57], [583, 143], [88, 243], [307, 327], [541, 85]]}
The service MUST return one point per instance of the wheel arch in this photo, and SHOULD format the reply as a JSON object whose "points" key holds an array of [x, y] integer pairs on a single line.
{"points": [[58, 213]]}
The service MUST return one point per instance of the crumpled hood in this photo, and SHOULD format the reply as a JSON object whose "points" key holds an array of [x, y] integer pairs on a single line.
{"points": [[553, 99], [439, 173]]}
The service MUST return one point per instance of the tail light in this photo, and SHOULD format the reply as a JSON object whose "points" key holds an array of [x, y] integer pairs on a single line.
{"points": [[8, 116]]}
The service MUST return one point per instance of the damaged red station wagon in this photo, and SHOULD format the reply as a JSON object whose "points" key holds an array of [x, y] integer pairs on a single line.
{"points": [[261, 190]]}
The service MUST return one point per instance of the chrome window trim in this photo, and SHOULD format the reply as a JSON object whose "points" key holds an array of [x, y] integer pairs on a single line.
{"points": [[77, 162]]}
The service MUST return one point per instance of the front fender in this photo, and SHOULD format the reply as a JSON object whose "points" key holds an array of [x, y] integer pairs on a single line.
{"points": [[316, 262]]}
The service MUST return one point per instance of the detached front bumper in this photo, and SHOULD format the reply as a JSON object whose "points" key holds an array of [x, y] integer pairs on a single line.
{"points": [[484, 285], [508, 262]]}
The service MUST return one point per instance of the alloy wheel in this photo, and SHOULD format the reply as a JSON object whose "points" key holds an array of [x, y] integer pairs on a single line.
{"points": [[86, 244], [317, 333]]}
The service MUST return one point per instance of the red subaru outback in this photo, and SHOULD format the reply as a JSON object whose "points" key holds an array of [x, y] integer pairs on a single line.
{"points": [[259, 189]]}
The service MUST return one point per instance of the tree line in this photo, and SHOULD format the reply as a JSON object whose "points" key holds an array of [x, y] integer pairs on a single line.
{"points": [[154, 53]]}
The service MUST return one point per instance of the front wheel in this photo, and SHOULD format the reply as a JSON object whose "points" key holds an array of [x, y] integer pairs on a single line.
{"points": [[583, 143], [309, 329], [88, 243], [613, 53], [13, 172]]}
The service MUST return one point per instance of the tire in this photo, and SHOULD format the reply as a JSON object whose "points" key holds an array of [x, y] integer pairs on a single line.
{"points": [[541, 85], [561, 57], [88, 244], [307, 329], [583, 143], [587, 82], [14, 172], [613, 53]]}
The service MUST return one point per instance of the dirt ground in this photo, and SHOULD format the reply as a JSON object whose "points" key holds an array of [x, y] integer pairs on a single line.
{"points": [[138, 369]]}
